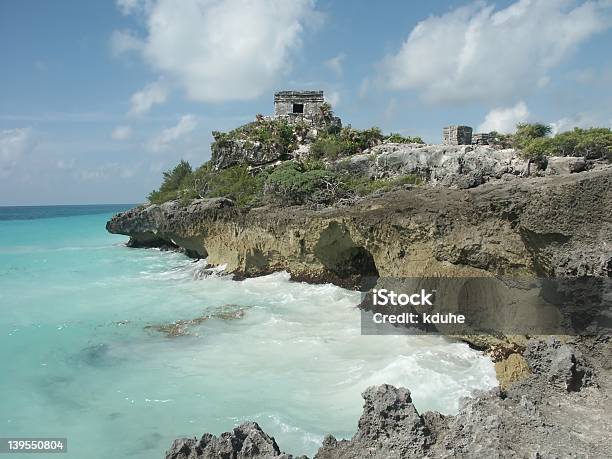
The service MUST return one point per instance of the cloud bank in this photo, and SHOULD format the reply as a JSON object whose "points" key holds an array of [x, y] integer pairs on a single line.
{"points": [[142, 101], [504, 119], [219, 50], [475, 53], [168, 136]]}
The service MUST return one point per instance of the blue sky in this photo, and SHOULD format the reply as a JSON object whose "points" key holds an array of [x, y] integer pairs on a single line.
{"points": [[98, 98]]}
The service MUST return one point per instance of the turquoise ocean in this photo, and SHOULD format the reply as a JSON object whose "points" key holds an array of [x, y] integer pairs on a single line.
{"points": [[82, 357]]}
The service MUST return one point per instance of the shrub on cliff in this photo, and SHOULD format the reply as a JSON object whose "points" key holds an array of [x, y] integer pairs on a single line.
{"points": [[348, 141], [332, 147], [500, 140], [292, 183], [362, 139], [236, 183], [398, 138], [537, 149], [526, 132], [267, 132], [175, 180], [591, 143]]}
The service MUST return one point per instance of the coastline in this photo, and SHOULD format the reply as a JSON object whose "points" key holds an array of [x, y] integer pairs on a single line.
{"points": [[543, 226]]}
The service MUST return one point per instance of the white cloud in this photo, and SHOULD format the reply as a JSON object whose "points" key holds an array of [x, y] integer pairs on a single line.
{"points": [[14, 143], [335, 64], [581, 120], [123, 41], [186, 125], [477, 53], [504, 119], [121, 133], [224, 50], [142, 101], [131, 6]]}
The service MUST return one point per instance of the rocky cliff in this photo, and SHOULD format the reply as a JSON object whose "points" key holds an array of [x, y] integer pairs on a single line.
{"points": [[459, 166], [556, 225], [544, 226]]}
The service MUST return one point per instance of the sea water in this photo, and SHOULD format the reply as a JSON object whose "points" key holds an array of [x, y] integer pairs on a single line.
{"points": [[83, 355]]}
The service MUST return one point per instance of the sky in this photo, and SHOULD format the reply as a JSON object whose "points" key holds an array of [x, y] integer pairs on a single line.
{"points": [[98, 98]]}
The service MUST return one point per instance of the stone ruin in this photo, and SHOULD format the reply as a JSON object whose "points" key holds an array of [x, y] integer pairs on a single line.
{"points": [[297, 104], [482, 138], [457, 135], [462, 135], [303, 106]]}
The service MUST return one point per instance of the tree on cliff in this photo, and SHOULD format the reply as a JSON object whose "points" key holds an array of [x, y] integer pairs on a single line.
{"points": [[527, 132], [173, 179]]}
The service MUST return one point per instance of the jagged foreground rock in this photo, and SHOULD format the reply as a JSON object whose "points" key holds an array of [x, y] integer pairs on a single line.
{"points": [[245, 441], [560, 411]]}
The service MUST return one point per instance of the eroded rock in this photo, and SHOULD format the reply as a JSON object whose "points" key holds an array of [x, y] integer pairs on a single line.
{"points": [[245, 441], [560, 364], [557, 165], [459, 166], [183, 327], [390, 426]]}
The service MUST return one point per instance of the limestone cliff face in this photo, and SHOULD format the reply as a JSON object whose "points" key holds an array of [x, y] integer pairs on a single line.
{"points": [[544, 226], [459, 166], [557, 225]]}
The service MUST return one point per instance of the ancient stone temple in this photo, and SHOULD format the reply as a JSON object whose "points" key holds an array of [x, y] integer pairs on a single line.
{"points": [[307, 107], [457, 135], [298, 104]]}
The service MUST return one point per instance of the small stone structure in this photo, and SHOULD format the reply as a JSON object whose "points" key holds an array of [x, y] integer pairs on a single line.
{"points": [[298, 104], [304, 107], [457, 135], [482, 138]]}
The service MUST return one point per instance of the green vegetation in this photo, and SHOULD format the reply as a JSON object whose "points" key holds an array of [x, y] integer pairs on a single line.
{"points": [[526, 133], [314, 181], [535, 143], [591, 143], [299, 183], [537, 149], [349, 141], [499, 140], [332, 147], [268, 132], [346, 142], [293, 183], [398, 138], [174, 181], [236, 183]]}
